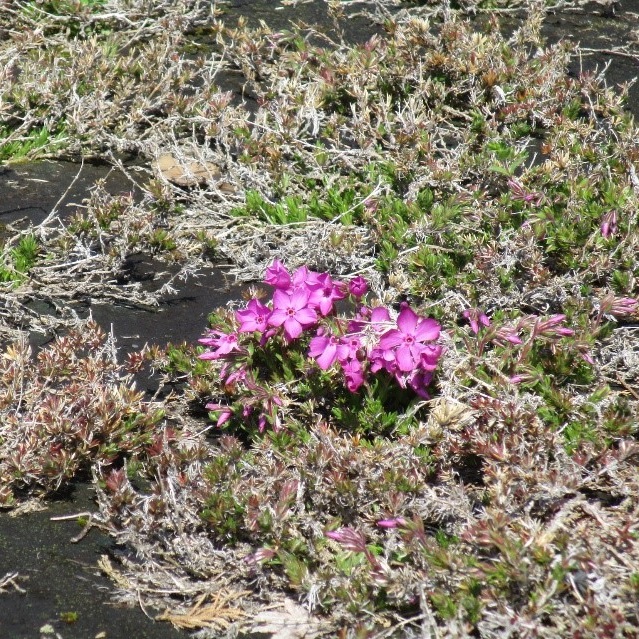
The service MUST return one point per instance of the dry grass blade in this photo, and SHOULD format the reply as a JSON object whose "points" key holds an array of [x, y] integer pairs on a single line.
{"points": [[10, 580], [117, 577], [217, 614]]}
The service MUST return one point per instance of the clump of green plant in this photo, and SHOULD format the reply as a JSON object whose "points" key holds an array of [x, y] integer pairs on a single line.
{"points": [[36, 142], [17, 261], [66, 410]]}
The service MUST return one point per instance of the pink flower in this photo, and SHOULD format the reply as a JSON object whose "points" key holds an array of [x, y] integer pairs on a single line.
{"points": [[278, 276], [350, 346], [324, 349], [419, 380], [235, 375], [349, 351], [475, 317], [291, 311], [305, 279], [358, 286], [383, 359], [407, 339], [353, 373], [223, 344], [370, 324], [324, 292], [253, 318]]}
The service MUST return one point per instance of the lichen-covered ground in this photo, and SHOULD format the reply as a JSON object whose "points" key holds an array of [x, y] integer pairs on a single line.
{"points": [[457, 166]]}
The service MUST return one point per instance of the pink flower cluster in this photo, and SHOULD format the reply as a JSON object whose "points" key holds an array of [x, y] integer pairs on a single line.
{"points": [[298, 303], [405, 346]]}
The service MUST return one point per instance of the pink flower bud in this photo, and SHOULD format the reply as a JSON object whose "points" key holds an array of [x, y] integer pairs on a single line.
{"points": [[393, 522], [618, 306], [263, 554], [349, 538], [476, 317], [358, 286], [551, 327], [278, 276], [225, 413], [609, 224]]}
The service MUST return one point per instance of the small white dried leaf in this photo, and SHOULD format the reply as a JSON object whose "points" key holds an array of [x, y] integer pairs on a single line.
{"points": [[186, 173], [291, 622], [449, 414]]}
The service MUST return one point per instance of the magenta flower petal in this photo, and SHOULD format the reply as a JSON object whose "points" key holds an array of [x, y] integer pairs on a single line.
{"points": [[405, 359], [429, 357], [281, 300], [306, 316], [209, 355], [407, 320], [344, 352], [318, 345], [298, 299], [427, 330], [327, 358], [324, 349], [305, 280], [292, 328], [390, 339], [380, 314], [277, 317]]}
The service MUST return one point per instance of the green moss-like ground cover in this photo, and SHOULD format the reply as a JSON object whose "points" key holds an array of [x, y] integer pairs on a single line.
{"points": [[456, 168]]}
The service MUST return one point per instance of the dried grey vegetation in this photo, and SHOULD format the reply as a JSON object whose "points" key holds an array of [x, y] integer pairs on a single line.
{"points": [[550, 532]]}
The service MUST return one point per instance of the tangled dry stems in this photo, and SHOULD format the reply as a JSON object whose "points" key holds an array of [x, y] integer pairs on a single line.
{"points": [[454, 166]]}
